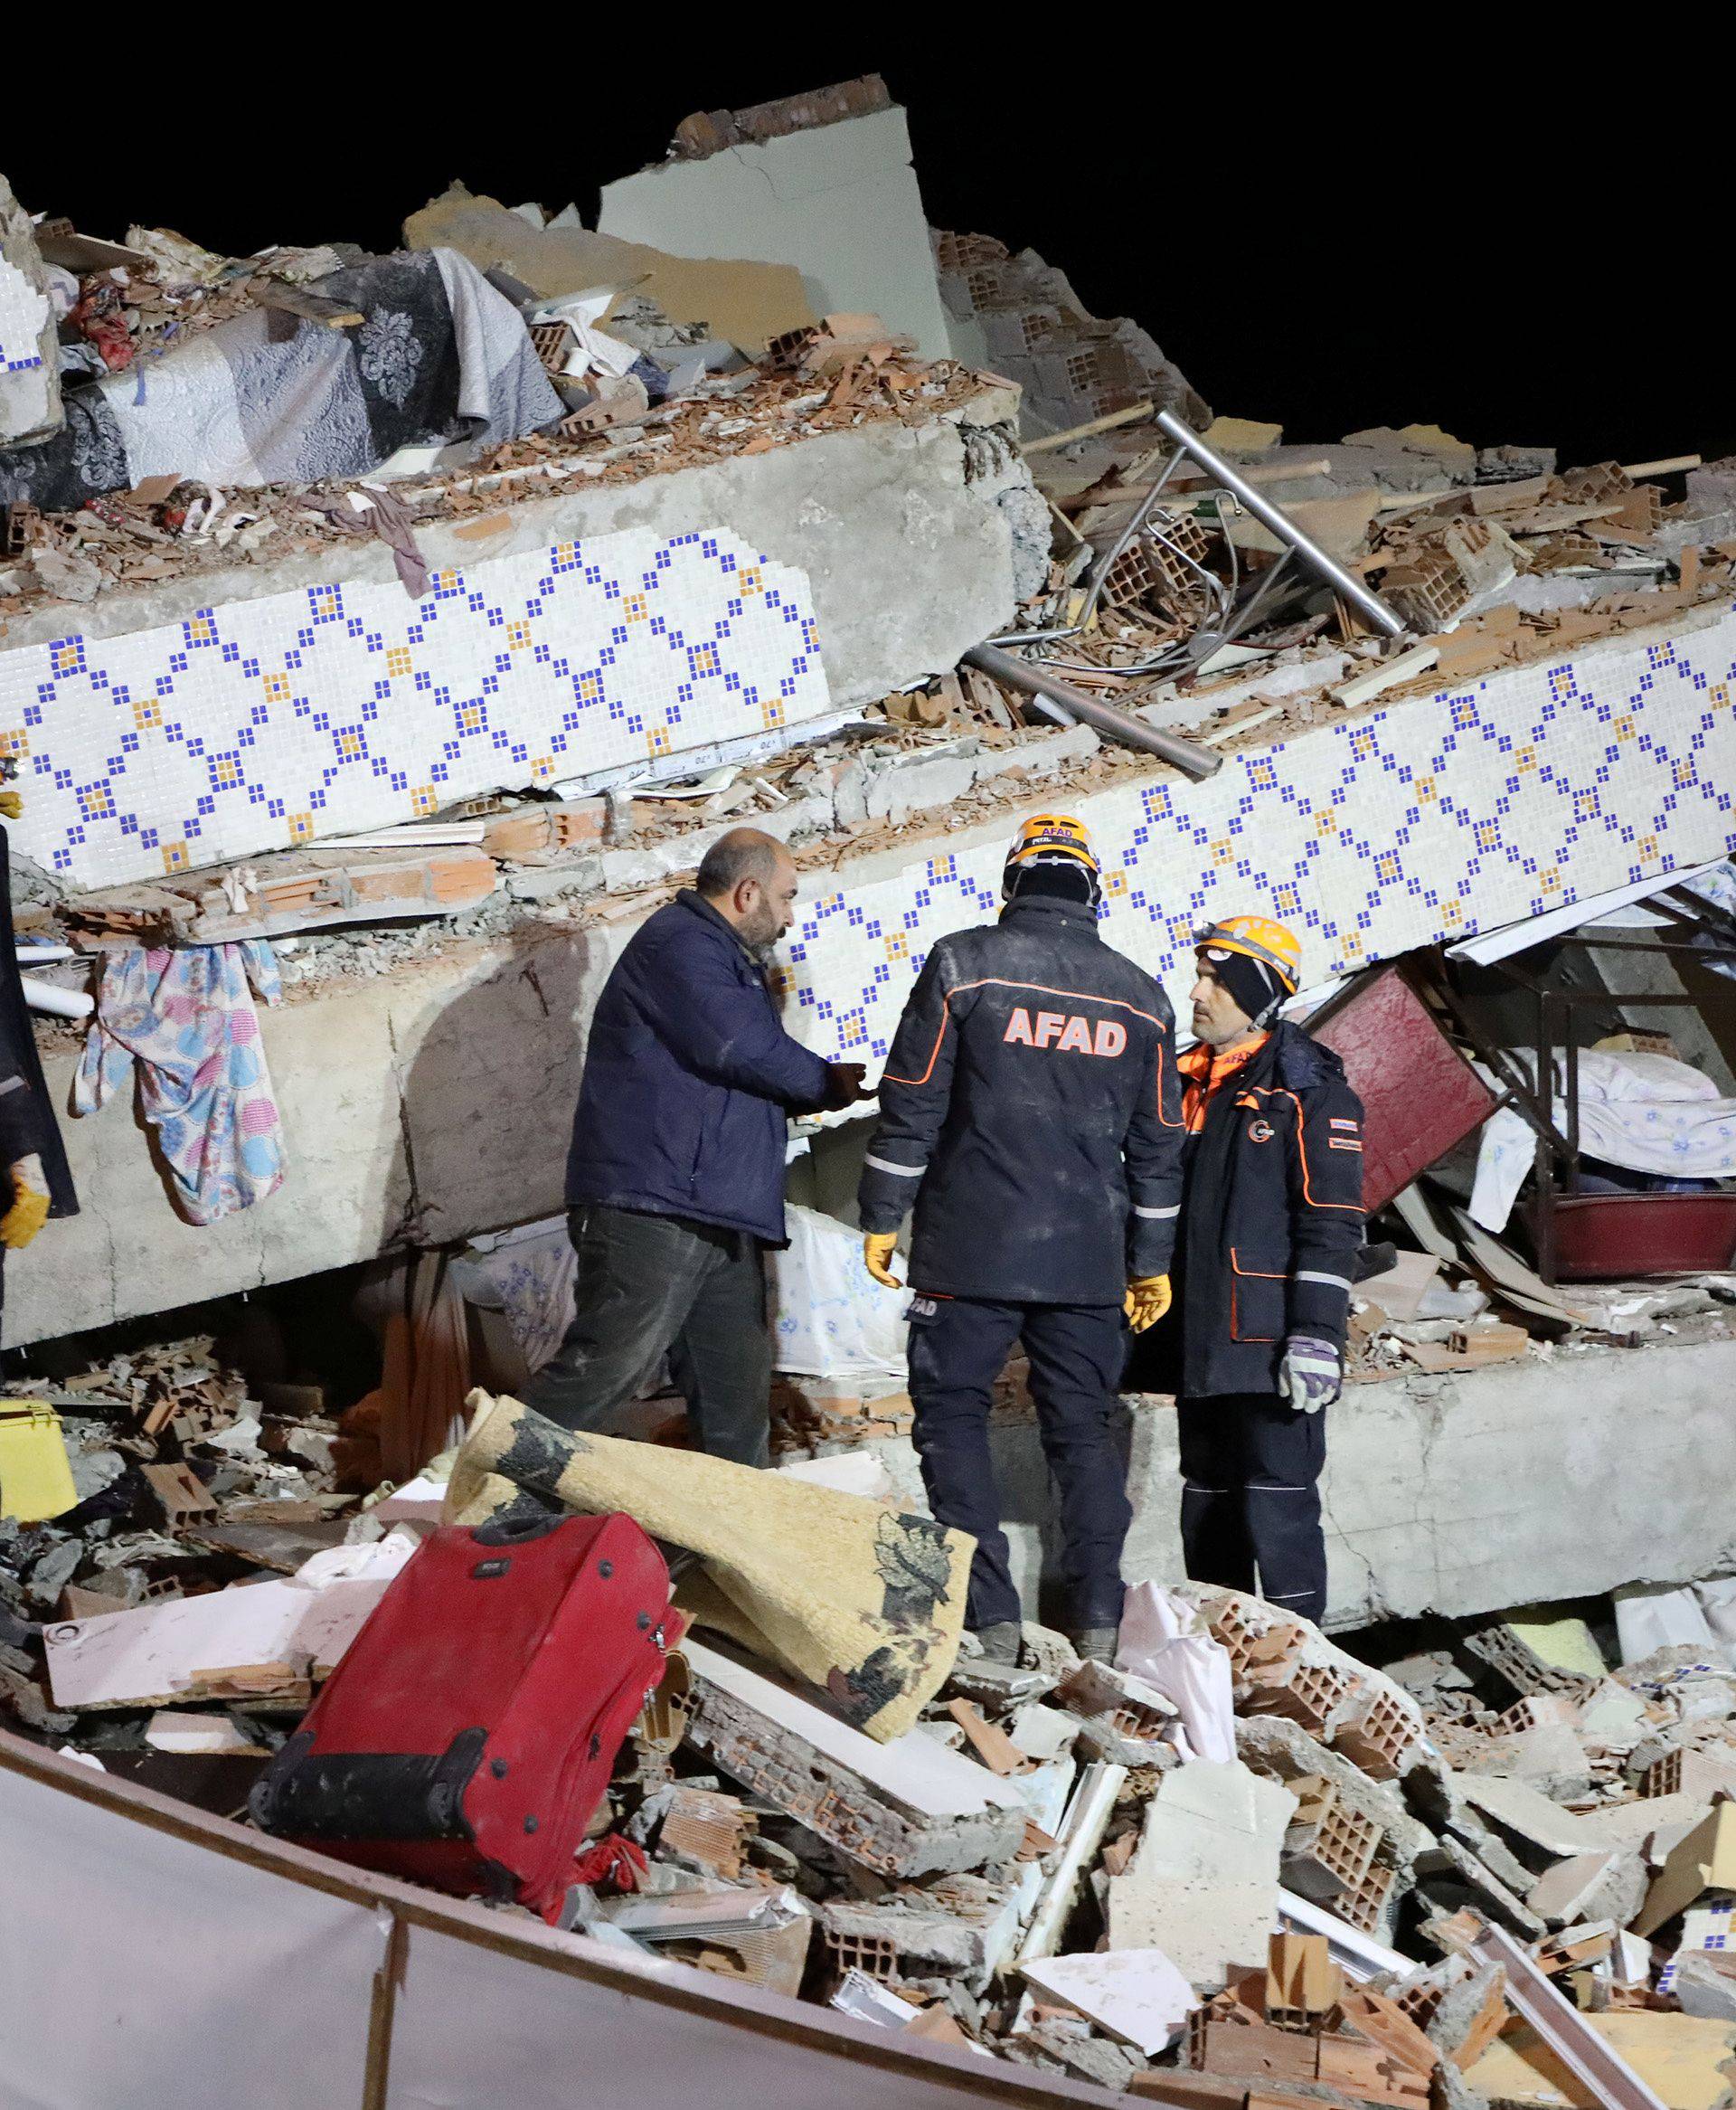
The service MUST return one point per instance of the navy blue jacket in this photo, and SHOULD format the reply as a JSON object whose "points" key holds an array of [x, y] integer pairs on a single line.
{"points": [[1030, 1109], [689, 1077], [1271, 1223]]}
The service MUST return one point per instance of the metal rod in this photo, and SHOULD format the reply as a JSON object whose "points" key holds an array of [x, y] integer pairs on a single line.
{"points": [[1132, 415], [1545, 1170], [1597, 2065], [1367, 604], [1059, 699]]}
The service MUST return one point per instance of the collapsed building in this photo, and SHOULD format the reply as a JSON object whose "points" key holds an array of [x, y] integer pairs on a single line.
{"points": [[383, 638]]}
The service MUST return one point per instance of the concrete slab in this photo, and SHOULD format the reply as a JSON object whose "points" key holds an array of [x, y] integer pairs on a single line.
{"points": [[1203, 1884], [840, 202], [30, 367]]}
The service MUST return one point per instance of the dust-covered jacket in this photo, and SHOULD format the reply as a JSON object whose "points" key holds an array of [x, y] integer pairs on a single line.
{"points": [[1029, 1111]]}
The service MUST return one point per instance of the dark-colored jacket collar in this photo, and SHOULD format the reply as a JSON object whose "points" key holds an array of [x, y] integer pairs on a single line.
{"points": [[686, 898], [1300, 1059], [1076, 913]]}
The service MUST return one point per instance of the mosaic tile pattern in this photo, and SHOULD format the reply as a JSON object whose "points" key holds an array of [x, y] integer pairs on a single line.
{"points": [[260, 724], [22, 312], [1431, 820]]}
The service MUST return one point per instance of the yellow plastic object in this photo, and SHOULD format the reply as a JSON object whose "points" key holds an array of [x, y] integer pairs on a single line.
{"points": [[24, 1219], [35, 1478], [1147, 1300]]}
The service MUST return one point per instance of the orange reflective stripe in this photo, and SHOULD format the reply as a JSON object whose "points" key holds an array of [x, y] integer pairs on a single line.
{"points": [[996, 981], [1163, 1118], [1302, 1151], [886, 1077]]}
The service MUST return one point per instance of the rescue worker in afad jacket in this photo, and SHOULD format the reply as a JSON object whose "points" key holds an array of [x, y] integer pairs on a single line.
{"points": [[1031, 1112], [1271, 1222]]}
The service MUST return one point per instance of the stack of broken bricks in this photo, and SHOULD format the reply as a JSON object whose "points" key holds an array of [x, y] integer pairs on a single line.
{"points": [[1279, 1876]]}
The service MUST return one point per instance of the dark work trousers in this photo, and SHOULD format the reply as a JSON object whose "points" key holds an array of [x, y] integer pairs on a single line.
{"points": [[1251, 1498], [959, 1348], [650, 1286]]}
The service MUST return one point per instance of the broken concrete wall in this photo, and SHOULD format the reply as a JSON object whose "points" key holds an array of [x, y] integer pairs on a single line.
{"points": [[29, 366], [1464, 1493], [849, 514], [840, 201], [1250, 839], [402, 1136], [1020, 317], [746, 304]]}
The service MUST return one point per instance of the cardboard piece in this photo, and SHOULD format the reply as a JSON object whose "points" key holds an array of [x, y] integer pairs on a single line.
{"points": [[748, 304], [1705, 1860], [1678, 2055]]}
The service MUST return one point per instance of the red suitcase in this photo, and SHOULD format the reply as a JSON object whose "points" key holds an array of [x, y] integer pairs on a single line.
{"points": [[468, 1732]]}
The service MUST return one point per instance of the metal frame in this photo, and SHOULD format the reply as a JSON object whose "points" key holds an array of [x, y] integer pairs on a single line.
{"points": [[1555, 1007], [1368, 605]]}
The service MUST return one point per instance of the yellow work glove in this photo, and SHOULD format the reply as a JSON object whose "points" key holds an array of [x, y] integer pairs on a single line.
{"points": [[1147, 1300], [877, 1250], [12, 804], [29, 1210]]}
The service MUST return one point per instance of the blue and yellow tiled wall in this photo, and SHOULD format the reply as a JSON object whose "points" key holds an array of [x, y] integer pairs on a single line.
{"points": [[1435, 817], [261, 724]]}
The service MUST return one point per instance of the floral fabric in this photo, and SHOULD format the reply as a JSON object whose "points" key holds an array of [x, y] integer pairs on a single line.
{"points": [[184, 1020], [1644, 1113]]}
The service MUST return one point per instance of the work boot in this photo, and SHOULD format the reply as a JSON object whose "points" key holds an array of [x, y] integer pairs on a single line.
{"points": [[1095, 1643], [1000, 1642]]}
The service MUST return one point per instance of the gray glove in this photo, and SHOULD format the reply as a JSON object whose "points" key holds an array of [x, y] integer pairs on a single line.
{"points": [[1310, 1376]]}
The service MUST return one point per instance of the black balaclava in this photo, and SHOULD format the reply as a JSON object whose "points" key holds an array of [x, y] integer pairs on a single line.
{"points": [[1258, 990], [1057, 878]]}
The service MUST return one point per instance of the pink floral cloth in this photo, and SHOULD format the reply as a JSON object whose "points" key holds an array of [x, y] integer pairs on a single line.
{"points": [[185, 1018]]}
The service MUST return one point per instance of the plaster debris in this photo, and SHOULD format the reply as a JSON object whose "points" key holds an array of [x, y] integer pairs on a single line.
{"points": [[1203, 1882]]}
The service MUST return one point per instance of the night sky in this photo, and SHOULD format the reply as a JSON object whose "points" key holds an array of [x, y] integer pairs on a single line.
{"points": [[1321, 234]]}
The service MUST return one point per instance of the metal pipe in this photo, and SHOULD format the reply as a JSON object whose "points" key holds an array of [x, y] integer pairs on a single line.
{"points": [[57, 1001], [1059, 699], [1599, 2068], [1367, 604]]}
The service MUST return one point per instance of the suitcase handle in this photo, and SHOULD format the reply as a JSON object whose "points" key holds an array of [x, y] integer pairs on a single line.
{"points": [[518, 1529]]}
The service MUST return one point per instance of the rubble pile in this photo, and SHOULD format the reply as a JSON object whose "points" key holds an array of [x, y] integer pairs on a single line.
{"points": [[180, 1483], [1238, 1858], [171, 527], [1488, 568], [1138, 579]]}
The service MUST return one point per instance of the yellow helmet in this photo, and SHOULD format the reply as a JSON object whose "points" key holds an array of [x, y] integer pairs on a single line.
{"points": [[1259, 937], [1051, 835]]}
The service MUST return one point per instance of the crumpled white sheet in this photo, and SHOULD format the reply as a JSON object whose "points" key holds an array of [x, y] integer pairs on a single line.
{"points": [[1164, 1641], [1647, 1112], [368, 1562]]}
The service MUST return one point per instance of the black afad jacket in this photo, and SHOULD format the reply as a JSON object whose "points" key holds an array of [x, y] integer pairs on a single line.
{"points": [[1031, 1112], [1271, 1221]]}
